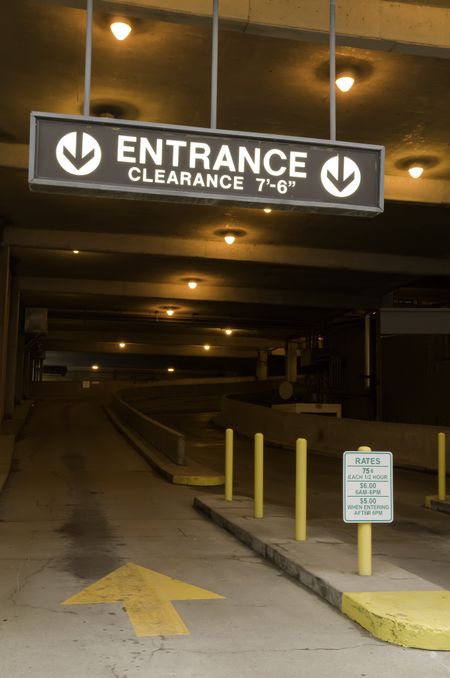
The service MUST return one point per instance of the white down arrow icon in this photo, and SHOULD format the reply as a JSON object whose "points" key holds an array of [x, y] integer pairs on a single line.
{"points": [[340, 176], [78, 153]]}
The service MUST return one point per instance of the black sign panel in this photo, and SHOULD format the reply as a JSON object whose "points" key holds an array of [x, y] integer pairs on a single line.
{"points": [[140, 160]]}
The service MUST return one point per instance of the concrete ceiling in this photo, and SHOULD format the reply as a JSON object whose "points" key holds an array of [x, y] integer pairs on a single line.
{"points": [[288, 272]]}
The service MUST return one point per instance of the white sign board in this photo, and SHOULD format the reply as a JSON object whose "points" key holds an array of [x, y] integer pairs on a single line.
{"points": [[368, 491]]}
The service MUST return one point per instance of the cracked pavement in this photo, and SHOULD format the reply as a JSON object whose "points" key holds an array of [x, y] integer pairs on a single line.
{"points": [[81, 503]]}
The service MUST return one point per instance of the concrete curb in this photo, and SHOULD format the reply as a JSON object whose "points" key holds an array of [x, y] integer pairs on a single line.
{"points": [[394, 605], [435, 504], [8, 433], [190, 474]]}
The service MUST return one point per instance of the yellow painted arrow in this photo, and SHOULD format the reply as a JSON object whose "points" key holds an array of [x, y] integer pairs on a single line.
{"points": [[146, 596]]}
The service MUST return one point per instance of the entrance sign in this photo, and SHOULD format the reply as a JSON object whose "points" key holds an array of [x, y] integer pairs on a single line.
{"points": [[187, 164], [368, 491]]}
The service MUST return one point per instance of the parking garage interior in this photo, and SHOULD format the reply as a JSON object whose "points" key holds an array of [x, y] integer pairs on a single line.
{"points": [[117, 311]]}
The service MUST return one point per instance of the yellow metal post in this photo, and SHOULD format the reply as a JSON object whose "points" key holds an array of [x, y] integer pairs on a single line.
{"points": [[300, 488], [365, 540], [259, 475], [442, 490], [229, 464], [365, 549]]}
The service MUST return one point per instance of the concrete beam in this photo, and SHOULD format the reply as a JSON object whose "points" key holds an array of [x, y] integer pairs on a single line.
{"points": [[425, 191], [408, 27], [396, 187], [204, 293], [153, 336], [81, 346], [303, 257], [14, 155]]}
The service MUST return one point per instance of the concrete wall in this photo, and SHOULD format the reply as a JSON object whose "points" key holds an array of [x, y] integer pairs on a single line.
{"points": [[164, 439], [193, 396], [133, 390], [132, 405], [416, 379], [413, 446], [347, 342]]}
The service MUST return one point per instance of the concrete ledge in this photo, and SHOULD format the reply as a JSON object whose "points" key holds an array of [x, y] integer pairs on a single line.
{"points": [[157, 435], [189, 474], [390, 604], [413, 445], [435, 504], [8, 433]]}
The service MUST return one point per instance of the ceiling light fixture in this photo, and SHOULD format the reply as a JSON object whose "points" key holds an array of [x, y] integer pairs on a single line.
{"points": [[206, 347], [345, 82], [267, 210], [170, 311], [122, 344], [228, 331], [76, 251], [120, 29], [171, 369], [229, 239], [192, 284], [415, 171], [94, 367]]}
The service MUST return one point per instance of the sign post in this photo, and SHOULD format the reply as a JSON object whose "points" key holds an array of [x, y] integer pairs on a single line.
{"points": [[126, 159], [368, 497]]}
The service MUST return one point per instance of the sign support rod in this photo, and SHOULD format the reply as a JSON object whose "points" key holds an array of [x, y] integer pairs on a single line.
{"points": [[333, 70], [214, 63], [88, 57]]}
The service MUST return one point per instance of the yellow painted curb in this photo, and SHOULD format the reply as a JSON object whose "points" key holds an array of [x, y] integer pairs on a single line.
{"points": [[418, 619]]}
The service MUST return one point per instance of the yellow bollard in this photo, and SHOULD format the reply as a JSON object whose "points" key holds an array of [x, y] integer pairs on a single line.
{"points": [[300, 488], [365, 540], [442, 490], [259, 475], [229, 464]]}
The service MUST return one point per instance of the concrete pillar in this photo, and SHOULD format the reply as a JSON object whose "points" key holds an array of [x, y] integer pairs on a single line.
{"points": [[367, 351], [27, 374], [378, 371], [261, 365], [291, 361], [4, 317], [20, 364], [13, 336]]}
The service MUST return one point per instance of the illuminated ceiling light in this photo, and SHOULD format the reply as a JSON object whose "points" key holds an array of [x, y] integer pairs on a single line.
{"points": [[206, 347], [229, 239], [170, 311], [171, 369], [415, 171], [345, 82], [94, 367], [267, 210], [228, 331], [76, 251], [122, 344], [120, 29], [192, 284]]}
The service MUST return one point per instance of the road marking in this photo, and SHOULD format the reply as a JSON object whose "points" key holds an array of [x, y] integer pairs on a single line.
{"points": [[146, 597]]}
